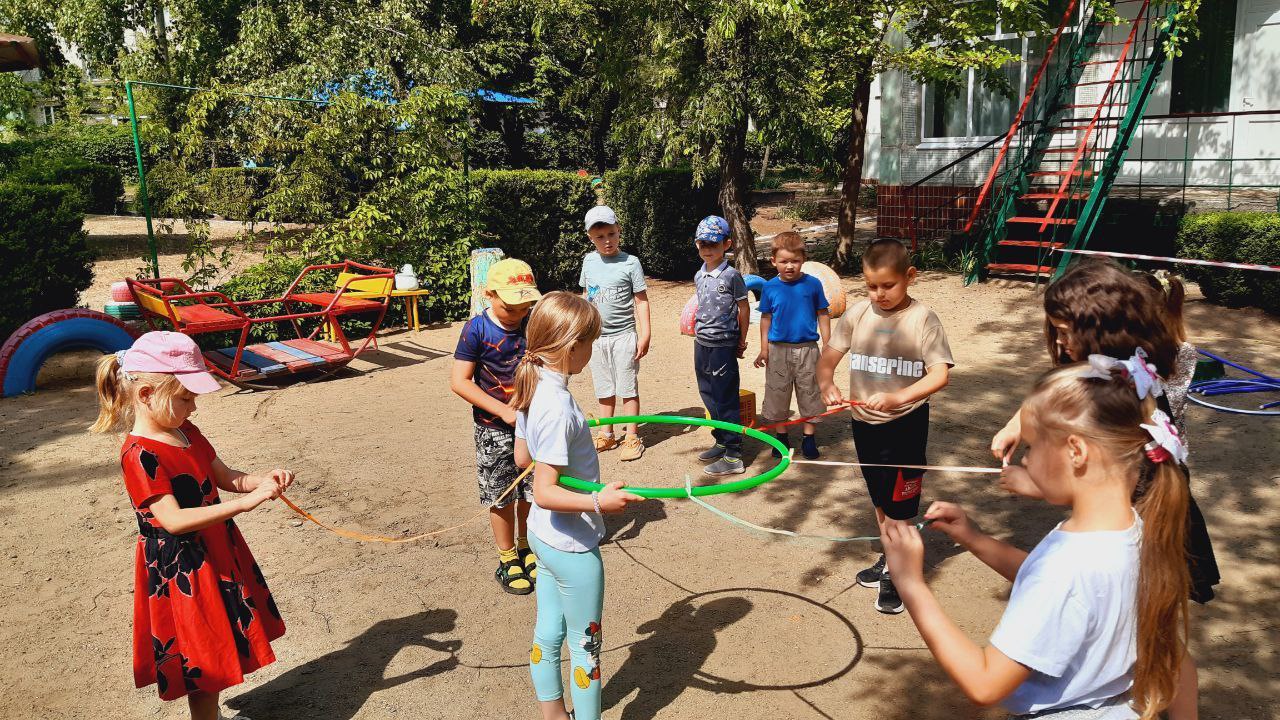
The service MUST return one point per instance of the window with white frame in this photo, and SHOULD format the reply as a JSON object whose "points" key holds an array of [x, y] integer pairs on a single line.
{"points": [[972, 110], [47, 114]]}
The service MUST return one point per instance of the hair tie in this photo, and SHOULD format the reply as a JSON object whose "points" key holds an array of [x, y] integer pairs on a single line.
{"points": [[1162, 276], [530, 359], [1155, 453], [1146, 383], [1165, 443]]}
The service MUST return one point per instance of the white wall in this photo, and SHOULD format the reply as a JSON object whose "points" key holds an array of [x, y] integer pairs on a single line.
{"points": [[1156, 154]]}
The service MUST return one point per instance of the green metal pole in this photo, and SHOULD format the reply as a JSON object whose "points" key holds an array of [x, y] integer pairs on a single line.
{"points": [[142, 179]]}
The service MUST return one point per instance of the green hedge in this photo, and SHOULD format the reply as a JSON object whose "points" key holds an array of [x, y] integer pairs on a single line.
{"points": [[533, 215], [105, 144], [1245, 237], [659, 208], [43, 251], [536, 216], [101, 185]]}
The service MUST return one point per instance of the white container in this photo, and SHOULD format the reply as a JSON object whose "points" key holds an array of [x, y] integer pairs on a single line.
{"points": [[406, 279]]}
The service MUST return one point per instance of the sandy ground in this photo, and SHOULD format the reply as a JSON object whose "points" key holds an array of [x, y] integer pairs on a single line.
{"points": [[702, 619]]}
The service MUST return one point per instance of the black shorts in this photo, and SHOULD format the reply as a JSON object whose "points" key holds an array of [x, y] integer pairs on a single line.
{"points": [[896, 491]]}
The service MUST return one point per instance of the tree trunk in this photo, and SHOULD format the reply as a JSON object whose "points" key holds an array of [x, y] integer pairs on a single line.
{"points": [[160, 35], [734, 198], [764, 164], [601, 129], [846, 254]]}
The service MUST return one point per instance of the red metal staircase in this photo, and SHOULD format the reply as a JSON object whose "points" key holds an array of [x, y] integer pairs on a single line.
{"points": [[1053, 173]]}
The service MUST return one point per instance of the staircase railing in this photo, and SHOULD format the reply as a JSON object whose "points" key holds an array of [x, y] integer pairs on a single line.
{"points": [[1017, 123], [936, 206], [1031, 133], [1146, 46]]}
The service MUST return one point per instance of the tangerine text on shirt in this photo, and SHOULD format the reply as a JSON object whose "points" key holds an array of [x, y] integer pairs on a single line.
{"points": [[886, 366]]}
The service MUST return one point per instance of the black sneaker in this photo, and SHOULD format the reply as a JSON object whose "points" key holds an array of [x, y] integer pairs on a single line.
{"points": [[714, 452], [870, 577], [888, 601], [809, 447], [725, 466], [786, 442]]}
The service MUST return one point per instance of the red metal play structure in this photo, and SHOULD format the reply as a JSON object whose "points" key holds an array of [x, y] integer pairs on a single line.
{"points": [[359, 289]]}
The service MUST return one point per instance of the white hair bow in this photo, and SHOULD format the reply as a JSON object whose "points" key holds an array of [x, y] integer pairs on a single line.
{"points": [[1166, 443], [1145, 380]]}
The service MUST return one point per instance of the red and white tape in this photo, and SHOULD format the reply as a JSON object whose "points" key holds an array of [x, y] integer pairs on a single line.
{"points": [[1183, 261]]}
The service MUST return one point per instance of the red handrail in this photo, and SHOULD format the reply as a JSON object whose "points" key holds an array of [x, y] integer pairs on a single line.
{"points": [[1017, 120], [1121, 60]]}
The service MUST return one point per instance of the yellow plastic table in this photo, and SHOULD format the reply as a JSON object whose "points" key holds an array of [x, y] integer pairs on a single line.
{"points": [[410, 306], [410, 302]]}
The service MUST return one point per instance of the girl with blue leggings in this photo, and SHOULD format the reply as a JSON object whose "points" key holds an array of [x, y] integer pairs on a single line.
{"points": [[565, 526]]}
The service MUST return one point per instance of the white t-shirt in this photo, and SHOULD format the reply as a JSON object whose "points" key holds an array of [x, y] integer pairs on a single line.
{"points": [[1072, 620], [556, 432]]}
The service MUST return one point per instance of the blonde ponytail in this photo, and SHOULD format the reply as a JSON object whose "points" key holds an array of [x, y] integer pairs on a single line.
{"points": [[558, 321], [115, 397], [1163, 585]]}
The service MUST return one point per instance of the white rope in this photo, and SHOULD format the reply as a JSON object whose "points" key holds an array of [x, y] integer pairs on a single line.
{"points": [[936, 468]]}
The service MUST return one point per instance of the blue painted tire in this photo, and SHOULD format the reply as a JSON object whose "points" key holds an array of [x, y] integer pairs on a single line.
{"points": [[27, 349], [755, 284]]}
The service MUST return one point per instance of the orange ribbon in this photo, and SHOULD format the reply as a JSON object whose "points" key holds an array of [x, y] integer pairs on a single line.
{"points": [[363, 537], [811, 418]]}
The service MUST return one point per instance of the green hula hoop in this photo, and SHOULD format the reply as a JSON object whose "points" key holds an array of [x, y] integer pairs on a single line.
{"points": [[701, 490]]}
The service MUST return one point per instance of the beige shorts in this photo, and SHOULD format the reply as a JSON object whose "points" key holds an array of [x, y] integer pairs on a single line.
{"points": [[614, 366], [792, 367]]}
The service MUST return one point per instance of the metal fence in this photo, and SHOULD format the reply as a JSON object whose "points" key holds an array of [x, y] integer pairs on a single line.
{"points": [[1203, 161]]}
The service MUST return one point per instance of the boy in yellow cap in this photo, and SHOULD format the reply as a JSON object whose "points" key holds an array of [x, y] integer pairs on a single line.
{"points": [[484, 367]]}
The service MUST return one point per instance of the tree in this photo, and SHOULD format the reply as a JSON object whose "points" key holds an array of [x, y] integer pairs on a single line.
{"points": [[851, 42], [702, 72]]}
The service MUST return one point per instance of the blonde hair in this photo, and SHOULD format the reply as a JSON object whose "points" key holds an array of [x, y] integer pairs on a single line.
{"points": [[118, 389], [558, 321], [1109, 413]]}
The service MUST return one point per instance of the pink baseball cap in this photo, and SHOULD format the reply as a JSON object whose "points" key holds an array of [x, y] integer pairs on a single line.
{"points": [[172, 353]]}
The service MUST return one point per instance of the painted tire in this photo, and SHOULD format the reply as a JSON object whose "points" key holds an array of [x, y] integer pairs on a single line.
{"points": [[831, 286], [29, 346], [755, 284], [120, 292]]}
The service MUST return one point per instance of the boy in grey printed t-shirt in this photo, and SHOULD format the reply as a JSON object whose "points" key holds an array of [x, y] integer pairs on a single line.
{"points": [[613, 281]]}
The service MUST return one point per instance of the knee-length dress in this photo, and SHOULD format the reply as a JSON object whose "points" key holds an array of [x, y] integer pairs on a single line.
{"points": [[202, 613]]}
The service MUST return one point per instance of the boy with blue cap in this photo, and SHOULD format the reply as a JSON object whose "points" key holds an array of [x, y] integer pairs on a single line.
{"points": [[720, 338]]}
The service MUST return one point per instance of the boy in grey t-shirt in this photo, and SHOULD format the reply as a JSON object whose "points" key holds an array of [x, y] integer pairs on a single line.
{"points": [[613, 281]]}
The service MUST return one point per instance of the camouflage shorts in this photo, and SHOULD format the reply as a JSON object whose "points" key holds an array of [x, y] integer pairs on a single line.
{"points": [[496, 466]]}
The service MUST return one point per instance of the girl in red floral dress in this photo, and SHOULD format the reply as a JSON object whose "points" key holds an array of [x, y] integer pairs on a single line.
{"points": [[202, 614]]}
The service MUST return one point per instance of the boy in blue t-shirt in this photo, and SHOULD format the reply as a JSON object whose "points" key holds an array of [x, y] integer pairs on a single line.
{"points": [[793, 314], [484, 369], [719, 339]]}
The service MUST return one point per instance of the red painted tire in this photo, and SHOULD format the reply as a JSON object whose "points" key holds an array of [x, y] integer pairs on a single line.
{"points": [[29, 346]]}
